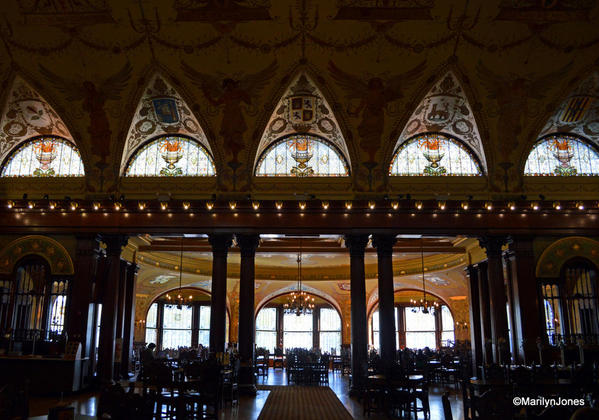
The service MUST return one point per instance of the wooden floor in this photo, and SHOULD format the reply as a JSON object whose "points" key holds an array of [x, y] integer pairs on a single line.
{"points": [[249, 407]]}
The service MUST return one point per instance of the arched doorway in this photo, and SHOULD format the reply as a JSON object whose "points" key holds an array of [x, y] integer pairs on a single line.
{"points": [[180, 318]]}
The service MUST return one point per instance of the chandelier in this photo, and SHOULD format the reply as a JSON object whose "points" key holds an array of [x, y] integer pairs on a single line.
{"points": [[423, 305], [299, 303], [180, 299]]}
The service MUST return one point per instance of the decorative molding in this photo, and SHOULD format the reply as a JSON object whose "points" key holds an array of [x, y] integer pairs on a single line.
{"points": [[52, 251], [555, 255]]}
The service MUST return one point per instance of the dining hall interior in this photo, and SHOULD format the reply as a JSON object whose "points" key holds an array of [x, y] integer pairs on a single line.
{"points": [[336, 209]]}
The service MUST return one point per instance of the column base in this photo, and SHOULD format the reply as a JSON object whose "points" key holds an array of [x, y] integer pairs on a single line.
{"points": [[247, 380]]}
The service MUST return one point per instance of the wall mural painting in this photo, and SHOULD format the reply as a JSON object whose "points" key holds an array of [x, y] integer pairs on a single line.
{"points": [[562, 155], [27, 115], [227, 10], [390, 10], [161, 111], [80, 12], [543, 13]]}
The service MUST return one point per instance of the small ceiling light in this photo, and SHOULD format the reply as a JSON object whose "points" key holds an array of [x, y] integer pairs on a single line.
{"points": [[209, 205], [255, 205], [279, 205], [232, 204], [302, 205], [141, 205], [30, 204], [186, 205], [117, 205], [348, 205], [52, 205], [580, 205], [394, 205], [534, 205], [371, 205], [418, 205], [511, 205], [96, 205], [163, 205], [74, 205], [489, 205], [465, 205], [325, 204], [557, 205], [441, 205], [10, 204]]}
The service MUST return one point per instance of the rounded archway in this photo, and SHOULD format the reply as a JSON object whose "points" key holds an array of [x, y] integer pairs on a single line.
{"points": [[277, 328]]}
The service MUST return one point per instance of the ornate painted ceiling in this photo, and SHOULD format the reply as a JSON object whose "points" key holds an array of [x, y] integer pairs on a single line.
{"points": [[90, 66]]}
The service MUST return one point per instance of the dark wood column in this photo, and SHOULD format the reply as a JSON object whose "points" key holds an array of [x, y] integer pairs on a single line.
{"points": [[247, 327], [528, 324], [497, 297], [114, 244], [120, 319], [129, 319], [384, 248], [485, 315], [218, 309], [475, 317], [80, 319], [359, 332]]}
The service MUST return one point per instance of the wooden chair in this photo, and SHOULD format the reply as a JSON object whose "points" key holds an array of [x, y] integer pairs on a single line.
{"points": [[421, 393], [495, 404], [278, 361], [231, 385], [446, 406]]}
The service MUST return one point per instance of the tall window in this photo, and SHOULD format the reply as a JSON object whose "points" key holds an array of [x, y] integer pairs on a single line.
{"points": [[44, 157], [176, 326], [330, 331], [58, 305], [553, 315], [204, 334], [302, 155], [171, 156], [447, 324], [266, 329], [297, 331], [151, 324], [434, 155], [562, 155], [420, 330], [376, 340]]}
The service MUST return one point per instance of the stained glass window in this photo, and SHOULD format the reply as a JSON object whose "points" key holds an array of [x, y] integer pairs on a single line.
{"points": [[302, 155], [171, 156], [44, 157], [434, 155], [562, 155]]}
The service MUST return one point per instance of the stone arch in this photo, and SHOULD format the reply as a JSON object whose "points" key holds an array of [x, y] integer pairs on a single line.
{"points": [[50, 250], [552, 259]]}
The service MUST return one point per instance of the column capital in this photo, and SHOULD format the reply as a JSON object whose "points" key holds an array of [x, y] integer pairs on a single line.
{"points": [[248, 243], [132, 268], [384, 244], [492, 244], [356, 244], [87, 245], [522, 245], [220, 242], [114, 244]]}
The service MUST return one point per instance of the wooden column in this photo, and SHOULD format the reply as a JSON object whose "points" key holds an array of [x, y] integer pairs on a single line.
{"points": [[247, 325], [475, 317], [218, 309], [528, 322], [384, 248], [114, 244], [497, 298], [485, 315], [129, 319], [359, 332], [120, 320]]}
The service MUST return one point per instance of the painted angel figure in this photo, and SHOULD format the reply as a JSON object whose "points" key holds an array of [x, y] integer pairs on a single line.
{"points": [[374, 94], [232, 94], [94, 99]]}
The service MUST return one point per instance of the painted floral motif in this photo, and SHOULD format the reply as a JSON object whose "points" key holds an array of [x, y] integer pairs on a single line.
{"points": [[562, 155]]}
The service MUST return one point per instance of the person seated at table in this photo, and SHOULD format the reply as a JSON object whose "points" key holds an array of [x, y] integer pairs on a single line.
{"points": [[147, 354]]}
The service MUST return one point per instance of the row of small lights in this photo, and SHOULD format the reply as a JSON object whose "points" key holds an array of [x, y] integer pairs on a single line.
{"points": [[302, 205]]}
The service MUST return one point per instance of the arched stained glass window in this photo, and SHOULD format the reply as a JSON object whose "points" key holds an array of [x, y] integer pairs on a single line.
{"points": [[434, 155], [171, 156], [45, 156], [562, 155], [302, 155]]}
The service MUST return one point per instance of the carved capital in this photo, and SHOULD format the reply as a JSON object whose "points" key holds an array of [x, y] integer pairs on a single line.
{"points": [[248, 243], [220, 242], [384, 244], [114, 244], [356, 244], [492, 244]]}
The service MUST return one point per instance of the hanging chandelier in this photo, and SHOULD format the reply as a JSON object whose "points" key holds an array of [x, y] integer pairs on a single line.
{"points": [[424, 305], [299, 302], [180, 299]]}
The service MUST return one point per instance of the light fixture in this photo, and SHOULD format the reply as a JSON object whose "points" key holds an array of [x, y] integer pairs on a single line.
{"points": [[52, 205], [255, 205], [424, 305], [209, 205], [30, 204], [74, 205], [232, 204], [96, 205], [441, 205], [279, 205], [163, 205], [186, 205], [302, 205], [465, 205], [394, 205], [534, 205], [418, 205], [348, 205], [299, 303], [325, 204], [118, 206], [141, 205], [180, 300], [10, 204], [371, 205], [511, 205], [489, 205], [557, 205], [579, 205]]}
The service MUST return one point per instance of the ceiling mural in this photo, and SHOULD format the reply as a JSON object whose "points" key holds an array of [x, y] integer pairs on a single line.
{"points": [[579, 113], [445, 109], [161, 111], [27, 115]]}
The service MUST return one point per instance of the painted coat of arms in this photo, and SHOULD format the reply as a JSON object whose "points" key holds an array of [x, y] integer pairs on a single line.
{"points": [[166, 110]]}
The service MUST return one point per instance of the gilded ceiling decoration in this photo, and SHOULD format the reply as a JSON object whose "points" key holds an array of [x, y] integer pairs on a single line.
{"points": [[27, 115], [52, 251]]}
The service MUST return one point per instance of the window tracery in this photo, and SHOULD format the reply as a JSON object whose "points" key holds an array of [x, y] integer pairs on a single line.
{"points": [[562, 155]]}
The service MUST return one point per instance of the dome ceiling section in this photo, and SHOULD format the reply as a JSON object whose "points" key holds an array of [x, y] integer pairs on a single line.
{"points": [[445, 109], [27, 115], [161, 111], [303, 109], [579, 113]]}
